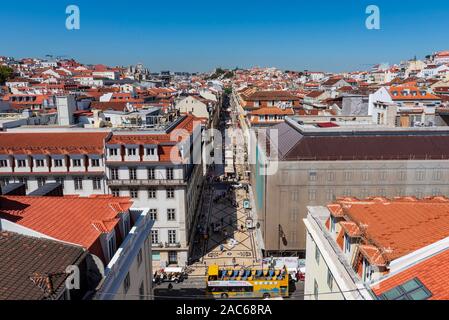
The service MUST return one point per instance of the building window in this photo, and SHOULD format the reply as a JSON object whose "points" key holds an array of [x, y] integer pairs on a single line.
{"points": [[170, 174], [172, 236], [420, 175], [402, 175], [152, 193], [312, 176], [312, 195], [115, 192], [332, 223], [151, 151], [60, 180], [347, 176], [3, 163], [151, 174], [132, 151], [58, 163], [153, 214], [139, 257], [330, 280], [295, 195], [437, 175], [20, 163], [127, 283], [368, 270], [382, 176], [436, 192], [347, 244], [111, 247], [142, 291], [170, 193], [294, 215], [78, 183], [133, 174], [96, 183], [114, 174], [154, 236], [365, 176], [113, 152], [41, 181], [126, 224], [95, 162], [172, 257], [315, 289], [317, 255], [171, 214], [40, 163], [330, 176], [330, 196], [77, 162], [134, 193]]}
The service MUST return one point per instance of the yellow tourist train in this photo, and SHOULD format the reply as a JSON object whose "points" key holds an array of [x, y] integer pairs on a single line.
{"points": [[250, 283]]}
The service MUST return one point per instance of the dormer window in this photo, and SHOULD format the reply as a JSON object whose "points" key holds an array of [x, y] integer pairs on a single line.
{"points": [[347, 244], [58, 163], [126, 224], [151, 151], [20, 163], [111, 246], [77, 162], [39, 163], [395, 93], [367, 271]]}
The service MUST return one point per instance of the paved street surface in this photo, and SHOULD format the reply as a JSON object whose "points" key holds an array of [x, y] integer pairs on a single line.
{"points": [[221, 235]]}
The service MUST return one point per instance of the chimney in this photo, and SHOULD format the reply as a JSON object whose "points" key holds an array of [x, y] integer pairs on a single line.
{"points": [[66, 106]]}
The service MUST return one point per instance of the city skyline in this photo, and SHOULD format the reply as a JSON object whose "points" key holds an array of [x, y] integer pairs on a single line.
{"points": [[198, 37]]}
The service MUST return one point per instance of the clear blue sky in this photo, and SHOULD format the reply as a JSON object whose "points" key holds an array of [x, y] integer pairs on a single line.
{"points": [[199, 35]]}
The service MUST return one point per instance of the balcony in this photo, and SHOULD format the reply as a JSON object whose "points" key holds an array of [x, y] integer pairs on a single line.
{"points": [[146, 183], [173, 245]]}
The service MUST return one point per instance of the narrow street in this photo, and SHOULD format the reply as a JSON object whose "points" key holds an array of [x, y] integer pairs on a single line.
{"points": [[222, 236]]}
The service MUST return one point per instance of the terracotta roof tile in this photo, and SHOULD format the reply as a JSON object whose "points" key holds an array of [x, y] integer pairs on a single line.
{"points": [[75, 220], [432, 272]]}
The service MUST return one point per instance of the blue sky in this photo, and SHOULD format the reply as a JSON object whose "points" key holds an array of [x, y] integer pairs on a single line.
{"points": [[199, 35]]}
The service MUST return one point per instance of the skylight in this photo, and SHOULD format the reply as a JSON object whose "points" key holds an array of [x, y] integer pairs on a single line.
{"points": [[410, 290]]}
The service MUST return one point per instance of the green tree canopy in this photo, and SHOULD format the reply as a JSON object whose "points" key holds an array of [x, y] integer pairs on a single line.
{"points": [[5, 74]]}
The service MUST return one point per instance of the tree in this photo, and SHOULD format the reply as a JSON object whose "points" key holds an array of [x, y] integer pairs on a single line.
{"points": [[5, 74]]}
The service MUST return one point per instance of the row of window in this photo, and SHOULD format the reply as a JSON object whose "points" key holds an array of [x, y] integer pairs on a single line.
{"points": [[172, 237], [151, 193], [78, 182], [40, 163], [171, 214], [127, 280], [151, 173], [420, 175], [113, 152], [331, 194]]}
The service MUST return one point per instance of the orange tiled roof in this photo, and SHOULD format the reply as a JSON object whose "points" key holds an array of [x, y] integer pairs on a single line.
{"points": [[72, 219], [52, 143], [413, 93], [272, 111], [432, 272], [351, 228], [398, 226]]}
